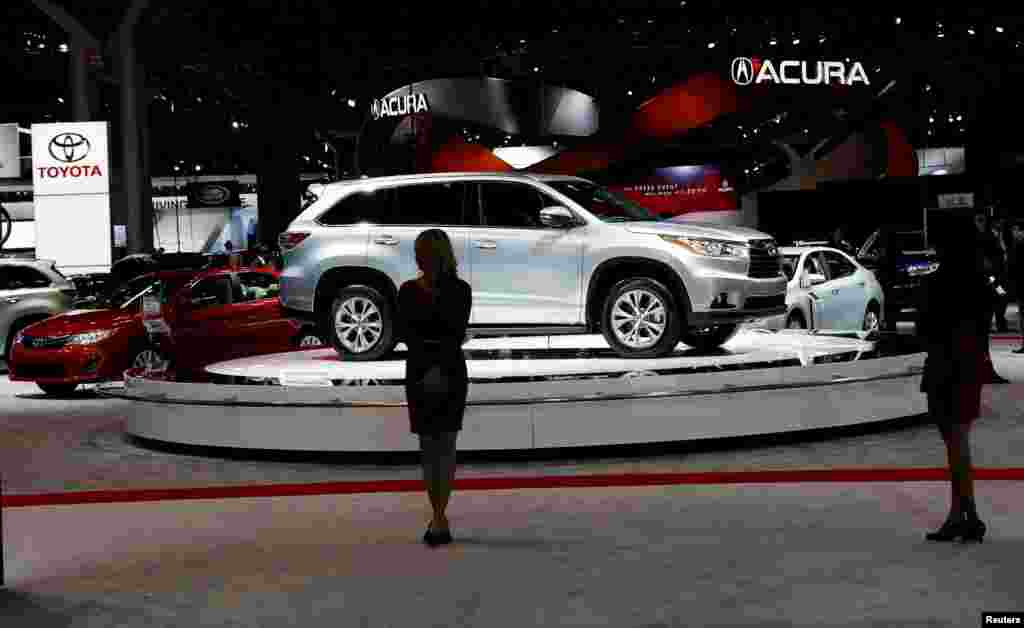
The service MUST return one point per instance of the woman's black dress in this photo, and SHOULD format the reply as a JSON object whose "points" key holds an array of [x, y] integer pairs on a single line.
{"points": [[434, 334]]}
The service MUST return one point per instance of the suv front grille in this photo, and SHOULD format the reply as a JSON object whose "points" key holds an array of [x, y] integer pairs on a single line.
{"points": [[44, 343], [764, 265]]}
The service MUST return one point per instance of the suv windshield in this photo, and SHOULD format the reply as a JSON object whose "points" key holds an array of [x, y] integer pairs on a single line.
{"points": [[601, 202]]}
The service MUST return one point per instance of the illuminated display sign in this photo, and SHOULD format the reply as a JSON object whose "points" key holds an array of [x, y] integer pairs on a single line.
{"points": [[755, 71], [399, 106]]}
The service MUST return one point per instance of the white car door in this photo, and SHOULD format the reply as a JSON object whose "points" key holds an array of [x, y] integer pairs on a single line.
{"points": [[823, 313], [523, 271], [848, 289]]}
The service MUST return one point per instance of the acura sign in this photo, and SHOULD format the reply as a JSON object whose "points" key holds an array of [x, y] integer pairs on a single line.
{"points": [[70, 158], [399, 106], [754, 71]]}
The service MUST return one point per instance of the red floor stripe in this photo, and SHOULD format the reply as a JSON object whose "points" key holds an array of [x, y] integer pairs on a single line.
{"points": [[487, 484]]}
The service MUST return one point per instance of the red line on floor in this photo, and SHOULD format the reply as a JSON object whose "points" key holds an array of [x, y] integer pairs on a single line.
{"points": [[487, 484]]}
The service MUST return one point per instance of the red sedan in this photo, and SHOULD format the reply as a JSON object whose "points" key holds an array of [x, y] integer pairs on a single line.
{"points": [[213, 315]]}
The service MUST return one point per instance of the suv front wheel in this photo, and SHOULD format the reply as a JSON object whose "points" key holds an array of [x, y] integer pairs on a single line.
{"points": [[709, 339], [640, 319], [361, 326]]}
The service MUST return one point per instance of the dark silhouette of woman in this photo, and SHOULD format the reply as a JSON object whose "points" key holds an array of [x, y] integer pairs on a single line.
{"points": [[433, 314], [955, 310]]}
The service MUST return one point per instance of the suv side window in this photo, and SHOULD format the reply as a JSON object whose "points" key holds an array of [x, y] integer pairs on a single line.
{"points": [[513, 205], [16, 277], [258, 286], [425, 204], [212, 291], [377, 207], [814, 266], [838, 266]]}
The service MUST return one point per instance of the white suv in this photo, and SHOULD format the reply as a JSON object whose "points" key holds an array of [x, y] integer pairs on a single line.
{"points": [[544, 255]]}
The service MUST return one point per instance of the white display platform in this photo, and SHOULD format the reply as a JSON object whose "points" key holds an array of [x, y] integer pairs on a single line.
{"points": [[760, 383]]}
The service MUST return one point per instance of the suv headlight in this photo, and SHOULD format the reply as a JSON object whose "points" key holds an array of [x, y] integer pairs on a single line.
{"points": [[710, 248], [90, 337]]}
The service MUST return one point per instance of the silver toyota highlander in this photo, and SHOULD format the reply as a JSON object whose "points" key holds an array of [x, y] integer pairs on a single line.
{"points": [[30, 291], [543, 254]]}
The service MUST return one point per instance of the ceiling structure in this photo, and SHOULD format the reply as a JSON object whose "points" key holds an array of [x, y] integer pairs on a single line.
{"points": [[216, 71]]}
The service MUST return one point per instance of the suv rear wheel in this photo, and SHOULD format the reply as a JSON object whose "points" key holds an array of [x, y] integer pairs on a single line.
{"points": [[711, 338], [361, 325], [640, 319]]}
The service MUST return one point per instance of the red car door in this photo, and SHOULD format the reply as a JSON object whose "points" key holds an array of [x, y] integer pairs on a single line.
{"points": [[201, 333], [259, 324]]}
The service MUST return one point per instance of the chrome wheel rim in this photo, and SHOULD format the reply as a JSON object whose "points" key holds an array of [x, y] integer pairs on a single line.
{"points": [[309, 341], [358, 324], [871, 322], [639, 318], [149, 360]]}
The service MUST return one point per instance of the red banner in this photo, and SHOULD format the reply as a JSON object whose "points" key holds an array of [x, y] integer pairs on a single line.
{"points": [[680, 190]]}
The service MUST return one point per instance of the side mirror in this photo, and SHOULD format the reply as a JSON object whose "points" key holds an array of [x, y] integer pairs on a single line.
{"points": [[557, 217], [815, 279]]}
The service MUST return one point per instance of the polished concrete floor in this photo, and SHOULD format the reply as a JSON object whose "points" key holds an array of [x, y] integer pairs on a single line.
{"points": [[783, 554]]}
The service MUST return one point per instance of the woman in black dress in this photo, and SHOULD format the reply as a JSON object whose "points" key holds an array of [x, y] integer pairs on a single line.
{"points": [[954, 317], [433, 314]]}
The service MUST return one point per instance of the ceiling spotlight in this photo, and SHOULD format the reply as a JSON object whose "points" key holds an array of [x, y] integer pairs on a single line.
{"points": [[711, 44], [772, 42], [63, 47], [1000, 29], [351, 102], [796, 42], [334, 92], [931, 119], [899, 20], [940, 35], [821, 39], [198, 167], [683, 3], [235, 124], [629, 93], [970, 31], [60, 100], [536, 69]]}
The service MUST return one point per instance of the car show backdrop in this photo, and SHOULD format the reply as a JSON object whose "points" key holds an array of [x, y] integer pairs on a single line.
{"points": [[679, 190]]}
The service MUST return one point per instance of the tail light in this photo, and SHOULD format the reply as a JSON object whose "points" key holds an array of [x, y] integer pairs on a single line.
{"points": [[291, 239]]}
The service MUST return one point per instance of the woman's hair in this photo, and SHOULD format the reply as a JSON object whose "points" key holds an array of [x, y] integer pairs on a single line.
{"points": [[438, 255]]}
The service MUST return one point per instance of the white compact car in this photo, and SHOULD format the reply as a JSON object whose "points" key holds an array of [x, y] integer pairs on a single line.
{"points": [[828, 290]]}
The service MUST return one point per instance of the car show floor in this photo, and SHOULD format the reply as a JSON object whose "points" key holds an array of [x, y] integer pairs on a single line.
{"points": [[845, 549]]}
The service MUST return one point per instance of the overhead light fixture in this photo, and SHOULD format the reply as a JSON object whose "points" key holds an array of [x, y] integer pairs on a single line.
{"points": [[772, 42], [60, 100], [235, 124], [940, 35], [931, 120], [711, 44], [821, 39], [1000, 29], [629, 92], [63, 47], [899, 20], [351, 102], [796, 42], [970, 31], [536, 69]]}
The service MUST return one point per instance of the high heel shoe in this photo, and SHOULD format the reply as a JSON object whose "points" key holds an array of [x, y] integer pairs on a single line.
{"points": [[973, 531], [949, 531]]}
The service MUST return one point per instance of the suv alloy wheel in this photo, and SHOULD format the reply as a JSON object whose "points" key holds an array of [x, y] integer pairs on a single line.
{"points": [[361, 324], [640, 319]]}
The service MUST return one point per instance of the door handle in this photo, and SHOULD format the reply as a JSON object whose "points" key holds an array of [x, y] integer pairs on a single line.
{"points": [[386, 240], [861, 284], [13, 299], [486, 244]]}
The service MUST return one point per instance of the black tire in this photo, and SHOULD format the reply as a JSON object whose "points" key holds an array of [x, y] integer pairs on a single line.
{"points": [[710, 339], [304, 339], [355, 296], [872, 309], [796, 321], [158, 355], [660, 346], [57, 390]]}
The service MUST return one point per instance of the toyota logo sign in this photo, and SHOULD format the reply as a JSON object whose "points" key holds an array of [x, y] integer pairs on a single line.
{"points": [[742, 71], [69, 147]]}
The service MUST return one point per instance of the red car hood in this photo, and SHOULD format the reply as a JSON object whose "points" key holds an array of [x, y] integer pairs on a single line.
{"points": [[81, 321]]}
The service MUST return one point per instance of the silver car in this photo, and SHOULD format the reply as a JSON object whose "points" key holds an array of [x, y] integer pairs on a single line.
{"points": [[543, 254], [30, 290]]}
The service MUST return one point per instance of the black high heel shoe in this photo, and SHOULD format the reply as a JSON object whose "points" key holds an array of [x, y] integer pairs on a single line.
{"points": [[973, 531], [949, 531]]}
